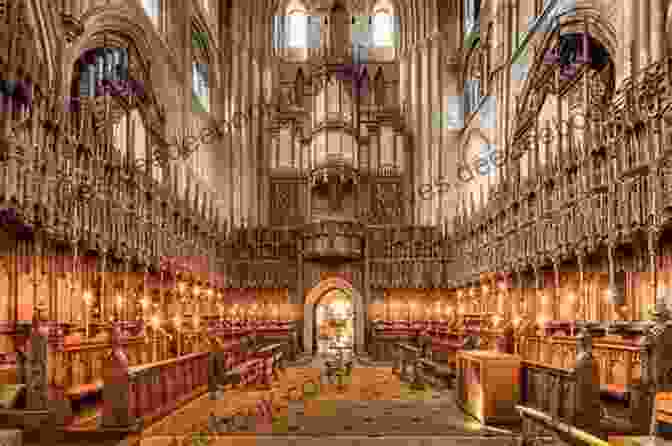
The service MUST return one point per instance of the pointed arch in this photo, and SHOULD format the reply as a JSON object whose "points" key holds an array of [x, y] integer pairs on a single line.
{"points": [[114, 21], [536, 87], [313, 298]]}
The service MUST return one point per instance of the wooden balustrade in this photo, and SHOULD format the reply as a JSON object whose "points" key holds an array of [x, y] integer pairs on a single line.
{"points": [[256, 367], [82, 364], [570, 396], [618, 360], [134, 395]]}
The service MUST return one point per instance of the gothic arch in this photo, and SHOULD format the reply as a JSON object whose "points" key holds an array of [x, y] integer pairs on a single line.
{"points": [[113, 21], [534, 92], [313, 297]]}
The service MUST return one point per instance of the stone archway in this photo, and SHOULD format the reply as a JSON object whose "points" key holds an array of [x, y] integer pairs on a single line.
{"points": [[314, 296]]}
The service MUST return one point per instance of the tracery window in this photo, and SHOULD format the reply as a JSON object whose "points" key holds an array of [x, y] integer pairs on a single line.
{"points": [[100, 67]]}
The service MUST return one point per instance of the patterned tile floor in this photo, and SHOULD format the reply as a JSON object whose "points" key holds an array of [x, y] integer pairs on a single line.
{"points": [[374, 403]]}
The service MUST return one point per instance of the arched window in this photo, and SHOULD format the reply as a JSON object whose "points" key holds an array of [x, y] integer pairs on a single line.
{"points": [[472, 95], [472, 17], [153, 10], [102, 66], [298, 29], [200, 86], [384, 29]]}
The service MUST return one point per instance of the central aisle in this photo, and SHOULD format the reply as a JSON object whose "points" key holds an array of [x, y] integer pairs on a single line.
{"points": [[374, 403]]}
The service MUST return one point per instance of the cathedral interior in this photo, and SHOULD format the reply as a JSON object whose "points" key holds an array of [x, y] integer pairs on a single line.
{"points": [[414, 221]]}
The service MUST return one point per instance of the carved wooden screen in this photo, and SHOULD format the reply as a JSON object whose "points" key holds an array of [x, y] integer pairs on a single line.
{"points": [[387, 203], [284, 203]]}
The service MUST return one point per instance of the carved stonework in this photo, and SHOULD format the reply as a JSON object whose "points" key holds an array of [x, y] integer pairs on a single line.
{"points": [[387, 202]]}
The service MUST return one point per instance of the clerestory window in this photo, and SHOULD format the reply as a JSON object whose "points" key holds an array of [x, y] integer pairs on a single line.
{"points": [[200, 86], [297, 29], [472, 19], [384, 30], [153, 10]]}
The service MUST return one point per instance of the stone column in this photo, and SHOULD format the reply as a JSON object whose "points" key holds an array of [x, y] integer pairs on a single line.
{"points": [[308, 323]]}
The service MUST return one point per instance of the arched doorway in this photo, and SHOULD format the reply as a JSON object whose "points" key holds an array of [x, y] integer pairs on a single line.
{"points": [[334, 323], [315, 296]]}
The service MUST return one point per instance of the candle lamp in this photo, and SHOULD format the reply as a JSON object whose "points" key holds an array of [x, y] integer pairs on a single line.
{"points": [[119, 306], [88, 300], [177, 320], [156, 325]]}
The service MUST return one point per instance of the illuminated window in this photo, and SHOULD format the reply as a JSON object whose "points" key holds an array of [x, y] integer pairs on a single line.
{"points": [[153, 10], [101, 65], [383, 30], [472, 16], [472, 95], [298, 30], [200, 86]]}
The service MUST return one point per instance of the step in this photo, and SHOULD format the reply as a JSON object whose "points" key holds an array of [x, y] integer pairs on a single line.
{"points": [[342, 440]]}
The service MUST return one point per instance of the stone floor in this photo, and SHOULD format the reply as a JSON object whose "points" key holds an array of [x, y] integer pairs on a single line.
{"points": [[373, 405], [343, 440]]}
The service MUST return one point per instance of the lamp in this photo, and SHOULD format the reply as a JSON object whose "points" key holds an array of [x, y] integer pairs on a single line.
{"points": [[177, 320], [516, 321], [156, 324], [120, 304], [88, 299]]}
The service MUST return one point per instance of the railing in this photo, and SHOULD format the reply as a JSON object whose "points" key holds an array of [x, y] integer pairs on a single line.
{"points": [[548, 389], [618, 360], [82, 364], [134, 394], [250, 368], [566, 432], [561, 395]]}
